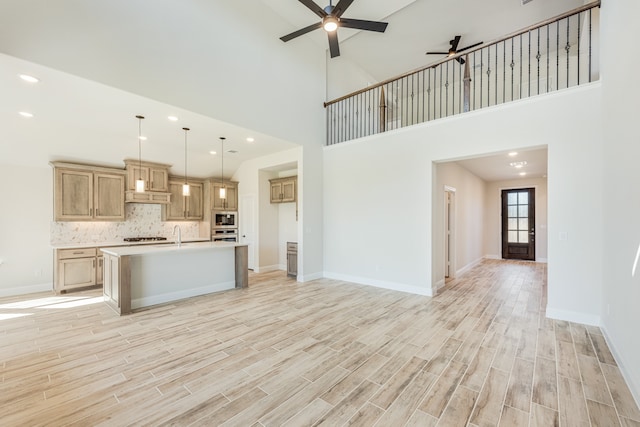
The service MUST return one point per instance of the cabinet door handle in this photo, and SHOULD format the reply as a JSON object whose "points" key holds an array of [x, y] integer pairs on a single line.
{"points": [[94, 263], [78, 253]]}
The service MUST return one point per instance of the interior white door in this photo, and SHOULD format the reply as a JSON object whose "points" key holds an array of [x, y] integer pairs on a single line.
{"points": [[248, 226]]}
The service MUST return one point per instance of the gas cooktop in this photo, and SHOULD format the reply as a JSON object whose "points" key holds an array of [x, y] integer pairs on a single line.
{"points": [[144, 239]]}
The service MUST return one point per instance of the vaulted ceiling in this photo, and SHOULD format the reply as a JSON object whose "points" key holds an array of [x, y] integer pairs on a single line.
{"points": [[160, 56]]}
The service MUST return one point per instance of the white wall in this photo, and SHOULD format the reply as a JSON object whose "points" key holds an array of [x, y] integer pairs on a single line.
{"points": [[253, 178], [371, 181], [344, 76], [493, 216], [468, 221], [267, 226], [287, 230], [25, 254], [254, 81], [621, 200]]}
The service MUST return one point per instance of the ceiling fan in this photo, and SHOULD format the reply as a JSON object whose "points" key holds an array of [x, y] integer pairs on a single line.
{"points": [[454, 49], [331, 20]]}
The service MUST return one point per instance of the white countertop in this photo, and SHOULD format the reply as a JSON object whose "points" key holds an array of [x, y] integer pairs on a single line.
{"points": [[164, 248], [169, 241]]}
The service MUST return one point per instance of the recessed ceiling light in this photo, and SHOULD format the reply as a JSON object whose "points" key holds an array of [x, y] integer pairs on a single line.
{"points": [[518, 165], [173, 118], [25, 114], [212, 152], [142, 138], [249, 139], [28, 78], [523, 173], [513, 154]]}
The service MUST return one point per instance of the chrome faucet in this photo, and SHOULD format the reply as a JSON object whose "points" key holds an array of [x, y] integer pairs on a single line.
{"points": [[179, 241]]}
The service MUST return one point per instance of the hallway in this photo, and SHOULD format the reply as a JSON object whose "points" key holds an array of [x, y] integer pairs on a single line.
{"points": [[318, 353]]}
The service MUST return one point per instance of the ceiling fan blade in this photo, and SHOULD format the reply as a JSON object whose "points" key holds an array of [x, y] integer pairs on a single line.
{"points": [[469, 47], [341, 7], [300, 32], [437, 53], [454, 43], [314, 7], [334, 48], [359, 24]]}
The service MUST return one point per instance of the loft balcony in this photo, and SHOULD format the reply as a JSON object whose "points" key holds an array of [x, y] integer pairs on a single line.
{"points": [[556, 54]]}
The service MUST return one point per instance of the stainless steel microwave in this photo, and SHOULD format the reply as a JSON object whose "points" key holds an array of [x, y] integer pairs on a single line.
{"points": [[225, 219]]}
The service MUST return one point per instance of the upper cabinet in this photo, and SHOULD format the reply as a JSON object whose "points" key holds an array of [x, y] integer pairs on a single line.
{"points": [[284, 190], [184, 208], [156, 182], [229, 203], [88, 193]]}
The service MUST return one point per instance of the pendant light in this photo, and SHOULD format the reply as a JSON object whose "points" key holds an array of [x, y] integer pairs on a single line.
{"points": [[223, 190], [185, 186], [140, 184]]}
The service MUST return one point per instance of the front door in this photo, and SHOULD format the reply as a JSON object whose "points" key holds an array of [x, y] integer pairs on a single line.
{"points": [[518, 224]]}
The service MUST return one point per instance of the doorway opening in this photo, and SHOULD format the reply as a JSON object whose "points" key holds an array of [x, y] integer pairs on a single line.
{"points": [[518, 224]]}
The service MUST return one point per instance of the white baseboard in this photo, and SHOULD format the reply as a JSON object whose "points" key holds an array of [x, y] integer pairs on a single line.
{"points": [[542, 260], [633, 387], [411, 289], [439, 284], [468, 266], [182, 294], [573, 316], [268, 268], [309, 277], [22, 290]]}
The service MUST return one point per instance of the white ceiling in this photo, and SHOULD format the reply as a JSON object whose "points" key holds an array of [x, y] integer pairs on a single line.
{"points": [[498, 167], [98, 125], [98, 120]]}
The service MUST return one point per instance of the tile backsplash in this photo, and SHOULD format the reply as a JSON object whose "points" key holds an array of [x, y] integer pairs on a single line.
{"points": [[142, 220]]}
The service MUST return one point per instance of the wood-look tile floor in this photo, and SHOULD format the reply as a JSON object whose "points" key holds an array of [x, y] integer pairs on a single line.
{"points": [[326, 352]]}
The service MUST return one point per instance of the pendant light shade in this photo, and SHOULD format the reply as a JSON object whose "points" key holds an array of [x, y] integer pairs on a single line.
{"points": [[140, 184], [223, 190], [185, 187]]}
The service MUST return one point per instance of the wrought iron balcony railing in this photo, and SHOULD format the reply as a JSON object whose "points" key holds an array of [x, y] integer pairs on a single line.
{"points": [[555, 54]]}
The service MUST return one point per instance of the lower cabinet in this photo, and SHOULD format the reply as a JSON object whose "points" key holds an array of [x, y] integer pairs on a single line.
{"points": [[99, 269], [77, 268], [292, 259]]}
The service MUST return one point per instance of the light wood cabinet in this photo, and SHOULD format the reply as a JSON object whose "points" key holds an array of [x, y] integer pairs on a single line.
{"points": [[155, 175], [292, 259], [156, 182], [99, 269], [230, 203], [284, 190], [184, 208], [88, 193], [77, 268]]}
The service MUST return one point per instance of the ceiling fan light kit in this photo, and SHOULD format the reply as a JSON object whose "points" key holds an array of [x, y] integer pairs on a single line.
{"points": [[331, 20]]}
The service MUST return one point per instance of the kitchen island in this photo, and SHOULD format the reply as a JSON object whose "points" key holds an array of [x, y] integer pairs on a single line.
{"points": [[142, 276]]}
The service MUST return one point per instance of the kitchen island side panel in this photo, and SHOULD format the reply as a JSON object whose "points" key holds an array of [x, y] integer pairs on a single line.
{"points": [[163, 277]]}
